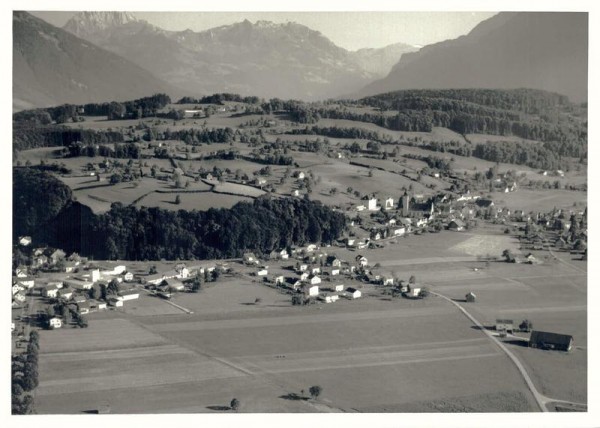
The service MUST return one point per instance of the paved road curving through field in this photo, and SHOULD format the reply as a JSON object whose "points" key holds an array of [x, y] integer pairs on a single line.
{"points": [[540, 399]]}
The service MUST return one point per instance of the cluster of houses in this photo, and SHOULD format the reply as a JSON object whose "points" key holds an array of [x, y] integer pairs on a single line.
{"points": [[311, 267]]}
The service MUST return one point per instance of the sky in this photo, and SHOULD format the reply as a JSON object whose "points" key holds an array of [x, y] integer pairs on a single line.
{"points": [[350, 30]]}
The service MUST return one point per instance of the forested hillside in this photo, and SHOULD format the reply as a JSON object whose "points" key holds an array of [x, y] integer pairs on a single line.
{"points": [[43, 208]]}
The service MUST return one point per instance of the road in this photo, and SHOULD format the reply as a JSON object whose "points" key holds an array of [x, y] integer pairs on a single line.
{"points": [[540, 399]]}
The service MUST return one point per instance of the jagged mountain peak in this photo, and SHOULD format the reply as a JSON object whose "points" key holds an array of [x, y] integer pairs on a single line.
{"points": [[93, 21]]}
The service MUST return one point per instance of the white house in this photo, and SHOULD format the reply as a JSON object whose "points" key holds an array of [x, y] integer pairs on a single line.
{"points": [[65, 293], [129, 294], [339, 287], [262, 272], [55, 323], [362, 260], [360, 208], [299, 175], [21, 272], [50, 291], [115, 301], [413, 291], [250, 258], [350, 242], [399, 231], [389, 203], [315, 270], [353, 292], [335, 271], [388, 280], [372, 204], [314, 279], [304, 276], [302, 267], [25, 240], [128, 277], [19, 297], [312, 291], [16, 288], [174, 284], [295, 192], [310, 247], [279, 279]]}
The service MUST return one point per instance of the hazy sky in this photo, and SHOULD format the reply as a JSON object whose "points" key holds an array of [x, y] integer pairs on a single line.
{"points": [[350, 30]]}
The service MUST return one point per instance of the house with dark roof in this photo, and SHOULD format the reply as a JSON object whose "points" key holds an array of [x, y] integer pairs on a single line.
{"points": [[553, 341]]}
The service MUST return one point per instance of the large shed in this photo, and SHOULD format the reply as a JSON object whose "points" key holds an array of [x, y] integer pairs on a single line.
{"points": [[547, 340]]}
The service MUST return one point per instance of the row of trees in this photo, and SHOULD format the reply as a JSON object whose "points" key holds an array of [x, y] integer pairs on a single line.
{"points": [[25, 138], [25, 377]]}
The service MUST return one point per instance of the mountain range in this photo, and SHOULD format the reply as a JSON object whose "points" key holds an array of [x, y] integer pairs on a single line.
{"points": [[101, 56], [51, 66], [538, 50], [263, 58]]}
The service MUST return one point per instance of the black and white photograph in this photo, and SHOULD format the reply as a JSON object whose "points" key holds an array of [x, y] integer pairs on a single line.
{"points": [[222, 212]]}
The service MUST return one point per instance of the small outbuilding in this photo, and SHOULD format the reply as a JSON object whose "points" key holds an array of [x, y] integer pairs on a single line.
{"points": [[505, 325], [470, 297]]}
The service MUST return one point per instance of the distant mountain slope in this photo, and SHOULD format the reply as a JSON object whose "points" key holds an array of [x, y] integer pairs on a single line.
{"points": [[381, 60], [510, 50], [52, 66], [264, 59]]}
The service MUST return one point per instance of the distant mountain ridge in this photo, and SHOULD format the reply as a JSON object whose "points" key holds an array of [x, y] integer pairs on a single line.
{"points": [[265, 59], [52, 66], [539, 50]]}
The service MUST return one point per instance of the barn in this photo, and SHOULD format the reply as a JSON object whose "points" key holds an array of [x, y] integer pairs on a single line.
{"points": [[547, 340]]}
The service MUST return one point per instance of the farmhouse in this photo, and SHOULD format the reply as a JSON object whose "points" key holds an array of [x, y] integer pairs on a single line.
{"points": [[334, 272], [19, 297], [262, 272], [399, 231], [470, 297], [304, 276], [312, 291], [329, 299], [505, 325], [79, 284], [315, 270], [26, 282], [174, 284], [413, 290], [456, 225], [362, 260], [250, 258], [360, 208], [50, 291], [56, 256], [129, 294], [128, 276], [389, 203], [279, 279], [334, 261], [84, 307], [25, 241], [299, 175], [115, 301], [388, 280], [372, 204], [546, 340], [339, 287], [353, 292], [314, 279], [96, 305], [65, 293], [301, 267], [54, 323], [21, 272]]}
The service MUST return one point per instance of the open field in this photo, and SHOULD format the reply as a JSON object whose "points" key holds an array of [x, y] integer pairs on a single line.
{"points": [[191, 201], [357, 354], [540, 200], [363, 353]]}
